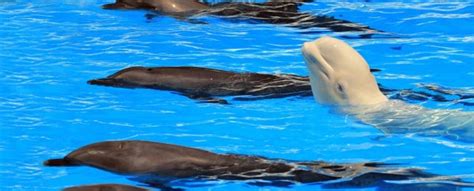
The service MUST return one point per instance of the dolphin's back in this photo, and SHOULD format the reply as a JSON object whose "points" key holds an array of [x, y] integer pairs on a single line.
{"points": [[204, 81], [139, 157], [176, 6]]}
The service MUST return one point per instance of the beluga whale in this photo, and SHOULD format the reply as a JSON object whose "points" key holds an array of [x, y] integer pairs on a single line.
{"points": [[162, 165], [340, 76], [274, 12]]}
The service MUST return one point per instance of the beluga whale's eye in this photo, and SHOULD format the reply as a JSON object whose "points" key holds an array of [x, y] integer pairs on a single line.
{"points": [[341, 89]]}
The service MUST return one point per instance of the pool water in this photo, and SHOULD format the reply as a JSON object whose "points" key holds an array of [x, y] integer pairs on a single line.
{"points": [[50, 48]]}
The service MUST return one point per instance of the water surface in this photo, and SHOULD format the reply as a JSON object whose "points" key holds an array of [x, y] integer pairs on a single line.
{"points": [[49, 49]]}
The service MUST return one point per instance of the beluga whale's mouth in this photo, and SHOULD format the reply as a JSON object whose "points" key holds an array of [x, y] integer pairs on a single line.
{"points": [[339, 75]]}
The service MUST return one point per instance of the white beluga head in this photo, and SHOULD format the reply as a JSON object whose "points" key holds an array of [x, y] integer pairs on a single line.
{"points": [[339, 75]]}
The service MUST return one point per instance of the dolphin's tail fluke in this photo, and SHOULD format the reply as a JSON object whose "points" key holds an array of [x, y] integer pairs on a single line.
{"points": [[59, 162]]}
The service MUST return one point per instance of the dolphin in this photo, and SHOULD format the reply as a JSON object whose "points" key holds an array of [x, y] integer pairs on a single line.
{"points": [[204, 84], [340, 76], [274, 12], [161, 163]]}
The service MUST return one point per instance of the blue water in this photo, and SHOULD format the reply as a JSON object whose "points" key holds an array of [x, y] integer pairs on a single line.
{"points": [[49, 49]]}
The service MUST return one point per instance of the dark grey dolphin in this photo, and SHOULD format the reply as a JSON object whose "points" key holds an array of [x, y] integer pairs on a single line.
{"points": [[204, 83], [171, 162], [105, 187], [274, 12]]}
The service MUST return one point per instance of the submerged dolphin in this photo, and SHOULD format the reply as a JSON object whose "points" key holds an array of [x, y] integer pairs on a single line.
{"points": [[204, 84], [161, 163], [340, 76], [275, 12]]}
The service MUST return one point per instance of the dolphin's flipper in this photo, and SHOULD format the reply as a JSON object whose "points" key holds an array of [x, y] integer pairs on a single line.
{"points": [[205, 99]]}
